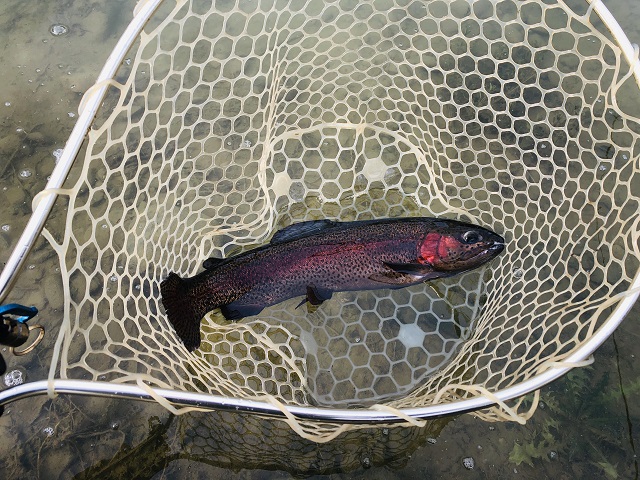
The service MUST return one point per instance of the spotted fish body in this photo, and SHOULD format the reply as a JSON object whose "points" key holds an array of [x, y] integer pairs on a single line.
{"points": [[318, 258]]}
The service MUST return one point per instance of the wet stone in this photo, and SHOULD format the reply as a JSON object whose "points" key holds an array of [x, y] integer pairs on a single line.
{"points": [[58, 29], [468, 463]]}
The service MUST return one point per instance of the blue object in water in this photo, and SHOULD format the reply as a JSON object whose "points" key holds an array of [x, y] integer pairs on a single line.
{"points": [[21, 313]]}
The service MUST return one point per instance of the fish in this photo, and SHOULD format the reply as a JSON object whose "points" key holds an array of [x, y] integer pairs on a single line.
{"points": [[317, 258]]}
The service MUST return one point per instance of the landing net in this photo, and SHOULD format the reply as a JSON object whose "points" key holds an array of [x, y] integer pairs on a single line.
{"points": [[230, 120]]}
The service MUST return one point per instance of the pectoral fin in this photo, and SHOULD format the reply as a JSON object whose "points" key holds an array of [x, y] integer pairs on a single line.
{"points": [[391, 277], [416, 269], [405, 273]]}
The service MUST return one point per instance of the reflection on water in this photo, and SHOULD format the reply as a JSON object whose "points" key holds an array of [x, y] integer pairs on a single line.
{"points": [[42, 81], [67, 440], [233, 441]]}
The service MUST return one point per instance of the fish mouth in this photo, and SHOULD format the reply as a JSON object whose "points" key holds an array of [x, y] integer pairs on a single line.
{"points": [[490, 251], [497, 247]]}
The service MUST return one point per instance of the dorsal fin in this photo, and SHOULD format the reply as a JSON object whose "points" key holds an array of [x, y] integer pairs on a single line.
{"points": [[302, 229]]}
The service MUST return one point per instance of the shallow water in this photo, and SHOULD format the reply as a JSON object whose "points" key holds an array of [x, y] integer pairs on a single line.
{"points": [[588, 427]]}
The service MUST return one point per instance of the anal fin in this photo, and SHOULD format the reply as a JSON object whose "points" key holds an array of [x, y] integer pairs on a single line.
{"points": [[314, 297]]}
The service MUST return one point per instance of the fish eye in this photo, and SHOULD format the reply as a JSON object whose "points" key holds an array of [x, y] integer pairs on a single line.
{"points": [[471, 237]]}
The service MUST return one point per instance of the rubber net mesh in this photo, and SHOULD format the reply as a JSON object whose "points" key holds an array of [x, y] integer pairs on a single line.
{"points": [[231, 120]]}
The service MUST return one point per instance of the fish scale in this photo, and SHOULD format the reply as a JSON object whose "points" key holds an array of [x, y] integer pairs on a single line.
{"points": [[317, 258]]}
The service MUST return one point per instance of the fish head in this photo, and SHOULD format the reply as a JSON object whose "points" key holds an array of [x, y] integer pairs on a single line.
{"points": [[459, 247]]}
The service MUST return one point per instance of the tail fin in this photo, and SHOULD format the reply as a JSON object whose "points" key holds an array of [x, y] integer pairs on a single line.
{"points": [[179, 309]]}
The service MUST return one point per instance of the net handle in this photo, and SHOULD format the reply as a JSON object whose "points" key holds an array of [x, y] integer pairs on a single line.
{"points": [[91, 103]]}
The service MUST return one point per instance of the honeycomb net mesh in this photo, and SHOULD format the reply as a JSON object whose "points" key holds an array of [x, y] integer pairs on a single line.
{"points": [[232, 119]]}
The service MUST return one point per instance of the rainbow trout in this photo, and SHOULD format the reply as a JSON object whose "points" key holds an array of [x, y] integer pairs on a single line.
{"points": [[318, 258]]}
